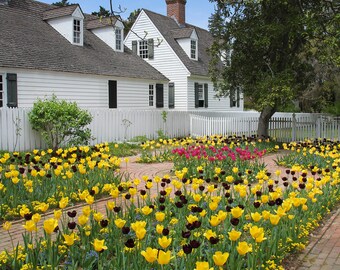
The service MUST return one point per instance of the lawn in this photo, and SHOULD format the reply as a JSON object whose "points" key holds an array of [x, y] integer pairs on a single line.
{"points": [[220, 209]]}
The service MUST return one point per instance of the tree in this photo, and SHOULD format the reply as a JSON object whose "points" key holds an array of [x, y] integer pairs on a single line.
{"points": [[62, 3], [131, 20], [273, 47], [60, 122], [102, 13]]}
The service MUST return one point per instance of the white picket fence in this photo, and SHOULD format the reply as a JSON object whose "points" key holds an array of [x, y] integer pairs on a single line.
{"points": [[285, 127], [108, 125]]}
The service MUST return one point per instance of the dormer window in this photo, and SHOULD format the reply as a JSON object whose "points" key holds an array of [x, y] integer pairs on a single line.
{"points": [[68, 21], [193, 49], [119, 39], [76, 31]]}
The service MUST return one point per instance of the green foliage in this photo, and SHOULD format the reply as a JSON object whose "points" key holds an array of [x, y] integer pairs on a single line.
{"points": [[60, 122], [62, 3], [272, 47]]}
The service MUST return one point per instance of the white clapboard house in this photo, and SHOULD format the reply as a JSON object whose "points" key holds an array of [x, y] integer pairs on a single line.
{"points": [[179, 51], [47, 50]]}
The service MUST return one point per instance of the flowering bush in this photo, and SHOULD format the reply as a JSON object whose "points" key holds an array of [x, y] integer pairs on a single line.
{"points": [[189, 223]]}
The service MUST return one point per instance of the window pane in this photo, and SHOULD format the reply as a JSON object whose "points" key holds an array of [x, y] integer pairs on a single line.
{"points": [[143, 49]]}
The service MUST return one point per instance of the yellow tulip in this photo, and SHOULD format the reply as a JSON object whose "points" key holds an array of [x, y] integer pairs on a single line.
{"points": [[256, 216], [57, 214], [98, 245], [30, 226], [50, 225], [220, 258], [120, 223], [164, 242], [243, 248], [150, 254], [82, 219], [234, 235], [214, 221], [63, 202], [237, 212], [164, 257], [69, 239], [146, 210], [7, 225], [208, 234], [140, 233], [159, 228], [86, 210], [274, 219], [98, 216], [160, 216], [36, 217], [191, 219], [203, 266]]}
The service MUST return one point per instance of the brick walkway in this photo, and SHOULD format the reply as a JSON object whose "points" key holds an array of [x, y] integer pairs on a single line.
{"points": [[322, 253]]}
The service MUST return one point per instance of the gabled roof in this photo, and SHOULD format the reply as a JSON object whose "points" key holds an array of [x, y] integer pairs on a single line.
{"points": [[182, 33], [171, 31], [59, 12], [29, 42], [100, 22]]}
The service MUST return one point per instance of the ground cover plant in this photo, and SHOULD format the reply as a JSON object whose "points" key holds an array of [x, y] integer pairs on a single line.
{"points": [[184, 222]]}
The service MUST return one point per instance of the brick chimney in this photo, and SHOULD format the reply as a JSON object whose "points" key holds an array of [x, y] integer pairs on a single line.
{"points": [[176, 10]]}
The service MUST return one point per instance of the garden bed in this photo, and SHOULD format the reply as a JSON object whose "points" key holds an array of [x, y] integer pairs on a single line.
{"points": [[218, 220]]}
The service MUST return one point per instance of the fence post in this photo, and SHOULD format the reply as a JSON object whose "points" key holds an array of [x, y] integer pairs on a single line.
{"points": [[318, 127], [190, 125], [293, 127]]}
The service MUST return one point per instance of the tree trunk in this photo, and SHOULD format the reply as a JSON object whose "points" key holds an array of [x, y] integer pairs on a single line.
{"points": [[266, 114]]}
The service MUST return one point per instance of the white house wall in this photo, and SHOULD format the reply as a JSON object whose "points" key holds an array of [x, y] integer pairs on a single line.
{"points": [[106, 34], [214, 103], [165, 60], [89, 91], [64, 26]]}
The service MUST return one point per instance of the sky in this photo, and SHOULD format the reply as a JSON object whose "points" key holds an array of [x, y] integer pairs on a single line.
{"points": [[197, 11]]}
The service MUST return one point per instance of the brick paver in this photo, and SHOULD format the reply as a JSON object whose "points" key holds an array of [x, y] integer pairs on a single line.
{"points": [[322, 253]]}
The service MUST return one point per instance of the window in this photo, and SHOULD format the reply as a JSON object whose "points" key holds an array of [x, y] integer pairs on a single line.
{"points": [[112, 94], [76, 31], [143, 49], [151, 95], [1, 92], [201, 95], [234, 98], [119, 39], [193, 49], [159, 95], [171, 95]]}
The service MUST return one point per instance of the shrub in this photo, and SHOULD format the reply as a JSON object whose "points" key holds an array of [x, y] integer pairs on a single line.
{"points": [[60, 122]]}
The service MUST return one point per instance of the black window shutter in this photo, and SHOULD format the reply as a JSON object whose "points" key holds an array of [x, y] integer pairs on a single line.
{"points": [[196, 96], [206, 95], [159, 96], [150, 48], [171, 95], [113, 94], [134, 46], [12, 90]]}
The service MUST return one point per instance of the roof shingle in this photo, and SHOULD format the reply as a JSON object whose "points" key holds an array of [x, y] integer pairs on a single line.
{"points": [[59, 12], [31, 43]]}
